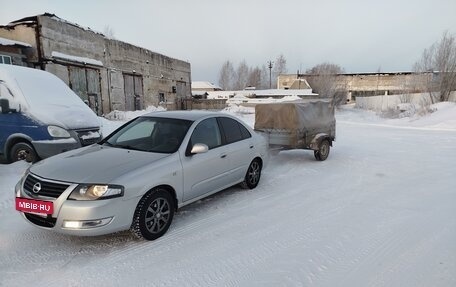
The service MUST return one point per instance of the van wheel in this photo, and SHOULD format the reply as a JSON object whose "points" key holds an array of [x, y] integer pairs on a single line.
{"points": [[153, 215], [23, 151]]}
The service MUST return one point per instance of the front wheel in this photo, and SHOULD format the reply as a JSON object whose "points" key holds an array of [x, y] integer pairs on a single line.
{"points": [[23, 151], [253, 175], [323, 151], [153, 215]]}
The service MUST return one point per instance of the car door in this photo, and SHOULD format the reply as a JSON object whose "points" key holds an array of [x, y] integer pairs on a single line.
{"points": [[207, 172], [240, 147]]}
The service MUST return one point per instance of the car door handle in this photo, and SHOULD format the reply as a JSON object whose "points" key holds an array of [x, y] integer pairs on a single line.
{"points": [[223, 156]]}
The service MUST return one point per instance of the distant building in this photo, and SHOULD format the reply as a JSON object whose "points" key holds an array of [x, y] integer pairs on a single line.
{"points": [[106, 73], [367, 84], [204, 86]]}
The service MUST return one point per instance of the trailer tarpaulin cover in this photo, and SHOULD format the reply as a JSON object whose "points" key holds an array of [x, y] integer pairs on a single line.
{"points": [[292, 116]]}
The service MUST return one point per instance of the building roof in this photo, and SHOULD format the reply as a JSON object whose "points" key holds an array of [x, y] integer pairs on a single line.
{"points": [[204, 85], [8, 42], [273, 93], [33, 20]]}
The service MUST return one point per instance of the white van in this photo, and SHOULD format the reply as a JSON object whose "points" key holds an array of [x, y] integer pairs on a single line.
{"points": [[41, 116]]}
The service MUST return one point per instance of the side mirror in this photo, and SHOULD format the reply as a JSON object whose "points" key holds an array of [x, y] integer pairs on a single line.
{"points": [[199, 148], [4, 105]]}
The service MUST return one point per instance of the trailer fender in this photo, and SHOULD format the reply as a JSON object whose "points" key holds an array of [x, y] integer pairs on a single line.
{"points": [[315, 143]]}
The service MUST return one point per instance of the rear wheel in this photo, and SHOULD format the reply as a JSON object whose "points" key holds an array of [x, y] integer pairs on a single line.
{"points": [[323, 150], [153, 215], [253, 175], [23, 151]]}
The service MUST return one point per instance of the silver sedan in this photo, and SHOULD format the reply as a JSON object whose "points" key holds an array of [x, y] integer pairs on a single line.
{"points": [[138, 176]]}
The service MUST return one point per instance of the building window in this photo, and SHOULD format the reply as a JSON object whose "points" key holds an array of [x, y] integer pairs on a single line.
{"points": [[161, 97], [5, 60]]}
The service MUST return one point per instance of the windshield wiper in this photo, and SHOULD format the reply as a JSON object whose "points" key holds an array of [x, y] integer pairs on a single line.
{"points": [[126, 147]]}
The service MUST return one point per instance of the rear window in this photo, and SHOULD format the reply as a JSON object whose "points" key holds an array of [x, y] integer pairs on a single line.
{"points": [[234, 131]]}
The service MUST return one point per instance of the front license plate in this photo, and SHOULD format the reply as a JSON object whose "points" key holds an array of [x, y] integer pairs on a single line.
{"points": [[35, 206]]}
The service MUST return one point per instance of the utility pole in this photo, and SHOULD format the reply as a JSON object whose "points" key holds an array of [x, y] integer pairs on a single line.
{"points": [[270, 73]]}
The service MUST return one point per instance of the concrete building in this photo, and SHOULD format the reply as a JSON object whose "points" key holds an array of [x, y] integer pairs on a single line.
{"points": [[13, 52], [106, 73], [367, 84]]}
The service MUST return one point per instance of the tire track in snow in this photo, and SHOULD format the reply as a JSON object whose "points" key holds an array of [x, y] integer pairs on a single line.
{"points": [[228, 267]]}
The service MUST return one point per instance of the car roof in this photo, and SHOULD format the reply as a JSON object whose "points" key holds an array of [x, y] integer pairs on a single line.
{"points": [[184, 115]]}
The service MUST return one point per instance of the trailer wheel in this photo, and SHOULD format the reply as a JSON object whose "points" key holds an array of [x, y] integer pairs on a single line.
{"points": [[323, 150]]}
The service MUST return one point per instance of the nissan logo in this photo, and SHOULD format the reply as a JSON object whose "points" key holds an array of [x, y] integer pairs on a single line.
{"points": [[36, 187]]}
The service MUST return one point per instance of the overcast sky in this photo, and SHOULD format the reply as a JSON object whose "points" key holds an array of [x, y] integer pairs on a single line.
{"points": [[359, 35]]}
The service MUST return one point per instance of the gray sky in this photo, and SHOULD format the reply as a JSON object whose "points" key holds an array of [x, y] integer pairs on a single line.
{"points": [[359, 35]]}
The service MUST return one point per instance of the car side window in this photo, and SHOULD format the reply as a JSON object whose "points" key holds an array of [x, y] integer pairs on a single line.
{"points": [[233, 130], [244, 132], [207, 132]]}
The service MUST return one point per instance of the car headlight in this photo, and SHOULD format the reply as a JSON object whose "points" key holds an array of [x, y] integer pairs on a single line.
{"points": [[96, 192], [58, 132]]}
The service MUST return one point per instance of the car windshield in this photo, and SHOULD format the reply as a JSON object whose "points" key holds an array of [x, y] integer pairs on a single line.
{"points": [[150, 134]]}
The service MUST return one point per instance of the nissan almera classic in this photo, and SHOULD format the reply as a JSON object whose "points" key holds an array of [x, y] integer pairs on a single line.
{"points": [[139, 175]]}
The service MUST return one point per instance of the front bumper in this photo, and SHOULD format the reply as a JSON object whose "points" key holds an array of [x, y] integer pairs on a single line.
{"points": [[79, 138], [116, 214], [46, 149]]}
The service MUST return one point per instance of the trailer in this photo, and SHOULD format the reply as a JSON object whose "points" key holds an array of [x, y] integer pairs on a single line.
{"points": [[304, 124]]}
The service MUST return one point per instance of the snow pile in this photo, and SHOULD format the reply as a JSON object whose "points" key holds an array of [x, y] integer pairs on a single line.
{"points": [[126, 116], [441, 117], [243, 100], [236, 109], [289, 99]]}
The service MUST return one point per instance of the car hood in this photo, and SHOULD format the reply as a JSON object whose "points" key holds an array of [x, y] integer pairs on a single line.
{"points": [[93, 164]]}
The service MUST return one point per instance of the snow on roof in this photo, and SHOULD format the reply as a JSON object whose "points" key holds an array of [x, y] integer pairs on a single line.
{"points": [[34, 20], [8, 42], [56, 18], [204, 85], [275, 93], [62, 56], [281, 92]]}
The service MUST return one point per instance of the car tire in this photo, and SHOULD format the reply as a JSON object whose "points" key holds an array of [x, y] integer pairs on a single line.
{"points": [[253, 175], [153, 215], [23, 151], [323, 150]]}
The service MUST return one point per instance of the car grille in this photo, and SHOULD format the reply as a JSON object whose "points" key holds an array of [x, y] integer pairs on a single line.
{"points": [[86, 137], [41, 221], [48, 188]]}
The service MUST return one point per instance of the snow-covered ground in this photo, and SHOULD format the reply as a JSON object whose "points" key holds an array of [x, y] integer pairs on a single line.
{"points": [[380, 211]]}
